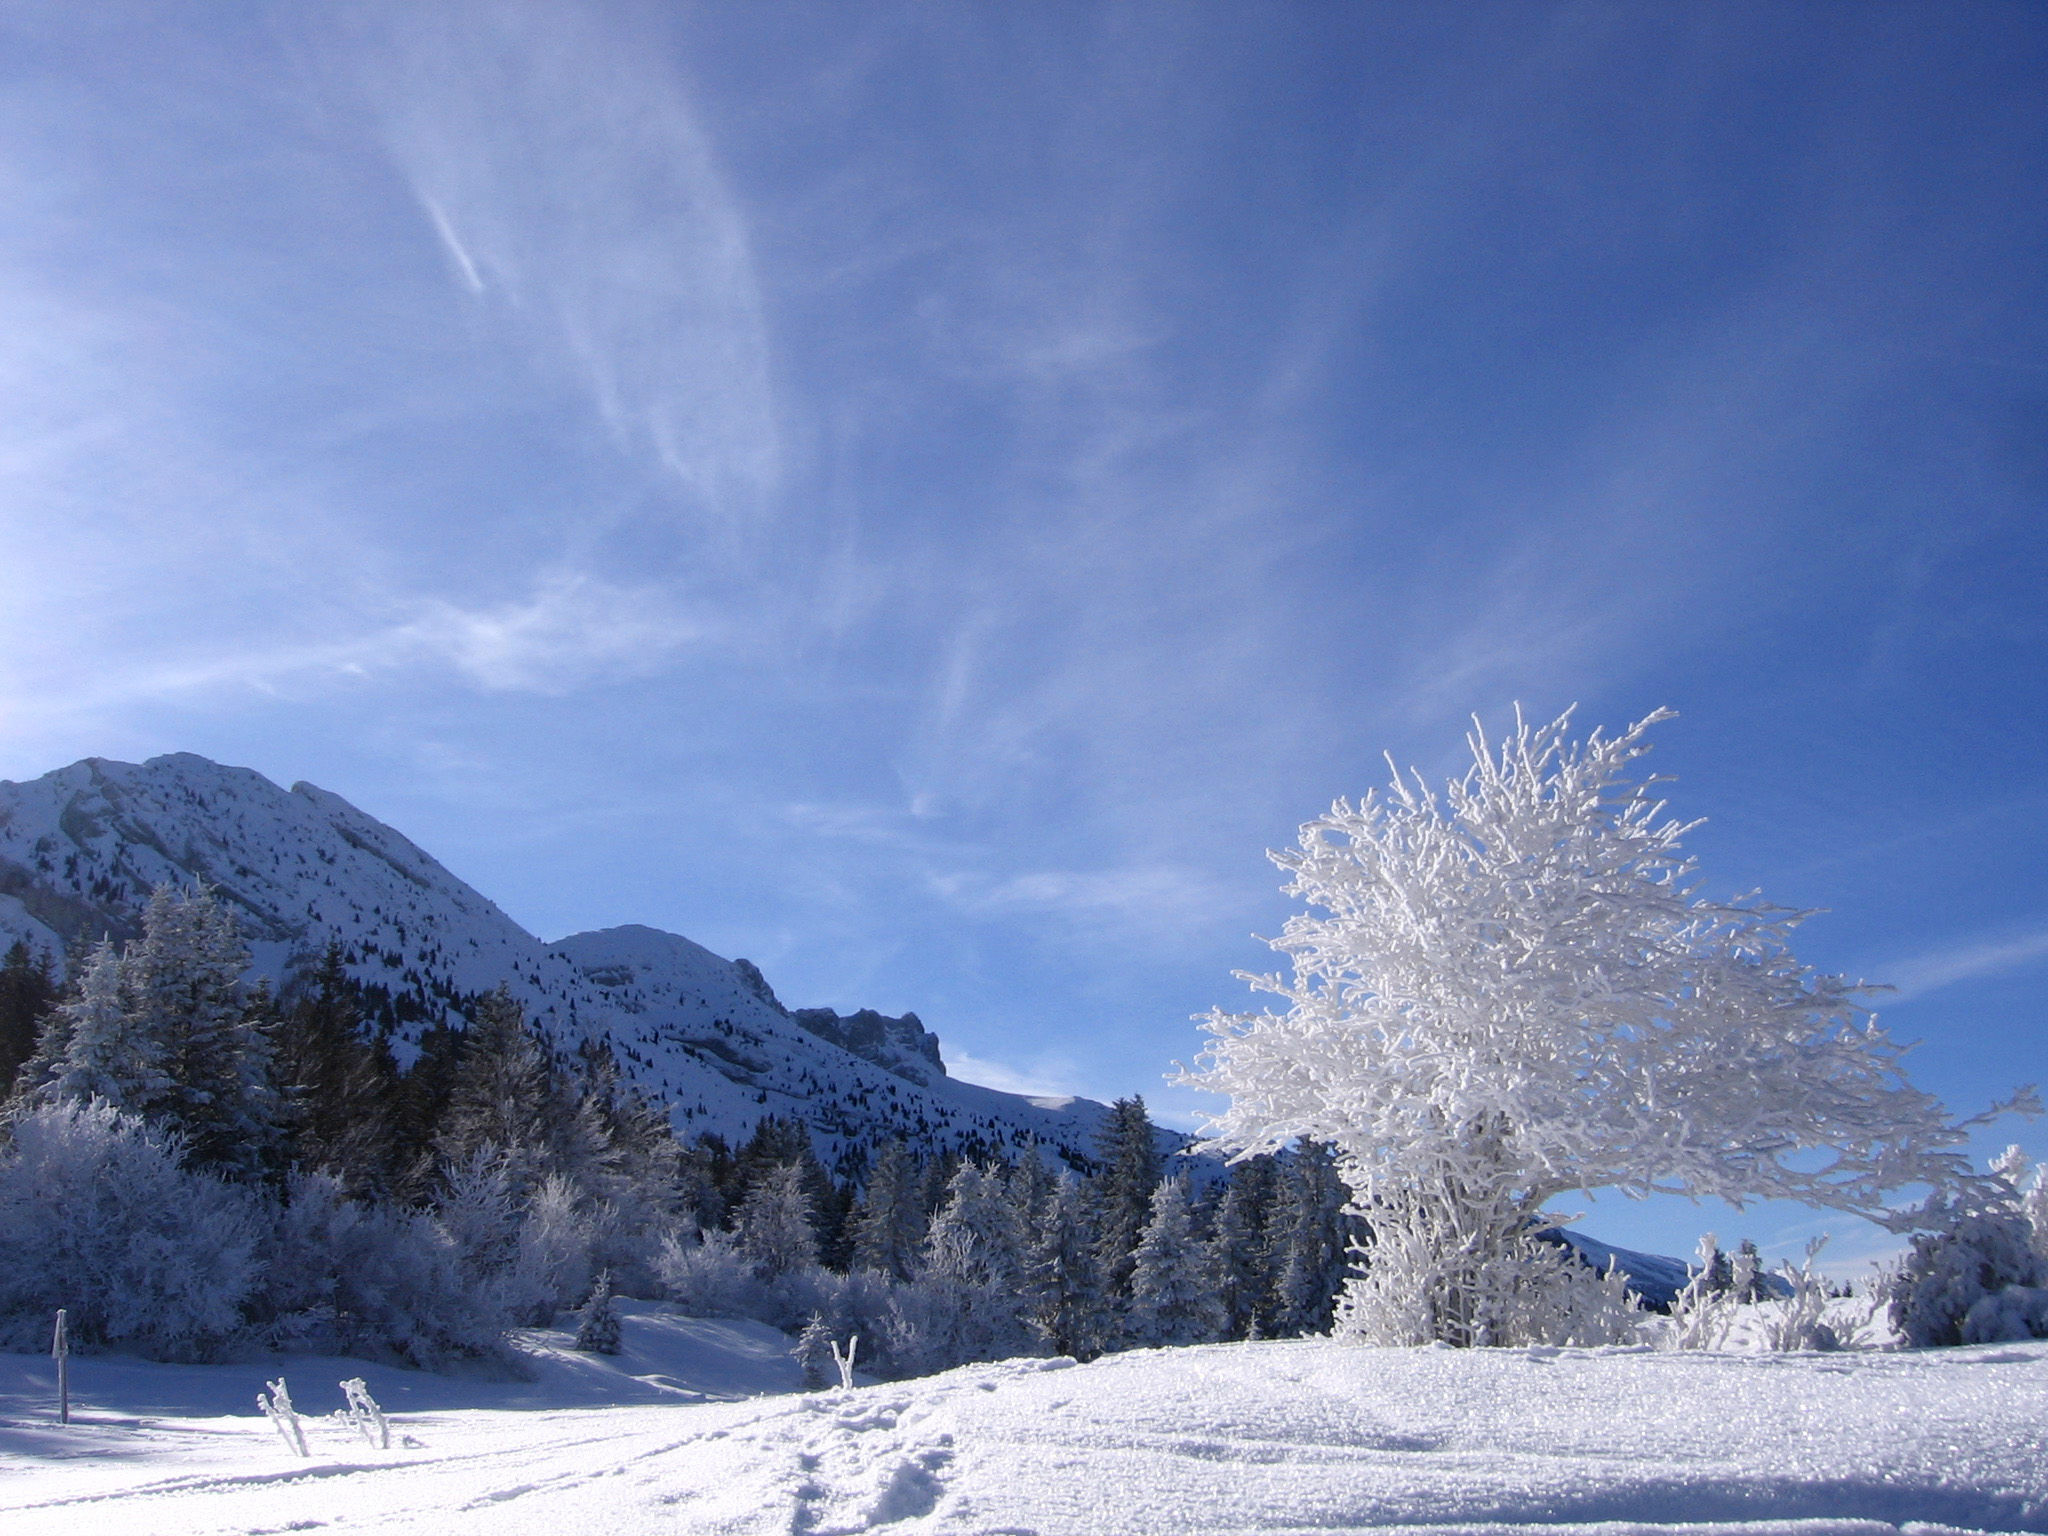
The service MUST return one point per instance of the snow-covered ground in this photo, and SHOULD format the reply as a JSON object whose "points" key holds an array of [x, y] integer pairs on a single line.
{"points": [[1293, 1436]]}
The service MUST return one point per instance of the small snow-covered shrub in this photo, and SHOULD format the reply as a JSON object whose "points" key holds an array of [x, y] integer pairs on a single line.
{"points": [[1949, 1274], [814, 1354], [1704, 1311], [97, 1216], [597, 1325], [1799, 1321], [351, 1278]]}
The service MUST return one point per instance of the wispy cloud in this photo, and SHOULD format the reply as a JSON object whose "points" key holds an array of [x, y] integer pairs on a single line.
{"points": [[568, 631], [1162, 897], [561, 167], [1925, 973], [1041, 1077]]}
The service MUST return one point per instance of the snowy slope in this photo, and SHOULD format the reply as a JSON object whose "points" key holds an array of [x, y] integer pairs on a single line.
{"points": [[81, 848], [1297, 1436]]}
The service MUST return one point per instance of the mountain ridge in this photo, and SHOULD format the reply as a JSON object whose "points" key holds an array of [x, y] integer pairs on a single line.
{"points": [[81, 848]]}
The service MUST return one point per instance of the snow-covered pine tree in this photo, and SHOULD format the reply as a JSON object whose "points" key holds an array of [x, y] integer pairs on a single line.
{"points": [[509, 1093], [974, 1268], [597, 1326], [1062, 1283], [94, 1046], [977, 1234], [1029, 1183], [780, 1141], [888, 1220], [183, 978], [814, 1354], [642, 1151], [1244, 1263], [1127, 1152], [774, 1224], [1517, 992], [1174, 1296]]}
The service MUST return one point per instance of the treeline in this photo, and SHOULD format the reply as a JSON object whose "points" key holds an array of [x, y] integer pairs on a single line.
{"points": [[194, 1167]]}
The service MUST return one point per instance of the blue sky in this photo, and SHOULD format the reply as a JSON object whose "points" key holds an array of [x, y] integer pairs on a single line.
{"points": [[922, 496]]}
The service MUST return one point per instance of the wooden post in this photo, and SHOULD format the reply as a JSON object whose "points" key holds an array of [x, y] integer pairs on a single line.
{"points": [[60, 1349]]}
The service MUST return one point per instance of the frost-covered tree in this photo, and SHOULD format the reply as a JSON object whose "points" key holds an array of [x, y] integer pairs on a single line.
{"points": [[98, 1216], [774, 1224], [1063, 1284], [1174, 1288], [814, 1354], [479, 1209], [1514, 989], [509, 1094], [357, 1277], [552, 1267], [1308, 1242], [974, 1272], [977, 1234]]}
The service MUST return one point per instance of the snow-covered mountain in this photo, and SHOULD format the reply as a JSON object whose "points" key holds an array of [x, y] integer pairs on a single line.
{"points": [[82, 847]]}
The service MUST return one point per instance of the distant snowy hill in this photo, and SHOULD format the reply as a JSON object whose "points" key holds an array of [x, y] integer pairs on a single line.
{"points": [[81, 848]]}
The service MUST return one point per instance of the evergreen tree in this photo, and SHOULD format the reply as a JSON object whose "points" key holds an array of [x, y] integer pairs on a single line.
{"points": [[508, 1094], [706, 1173], [1244, 1267], [1173, 1281], [814, 1355], [93, 1045], [1063, 1286], [502, 1086], [974, 1270], [425, 1091], [338, 1086], [184, 982], [977, 1235], [643, 1151], [785, 1141], [1129, 1156], [887, 1223], [597, 1325], [28, 992], [1309, 1242]]}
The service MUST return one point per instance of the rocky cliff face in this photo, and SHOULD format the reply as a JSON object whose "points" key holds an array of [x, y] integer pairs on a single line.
{"points": [[81, 848]]}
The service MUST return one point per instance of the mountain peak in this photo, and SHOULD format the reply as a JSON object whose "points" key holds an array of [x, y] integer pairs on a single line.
{"points": [[82, 847]]}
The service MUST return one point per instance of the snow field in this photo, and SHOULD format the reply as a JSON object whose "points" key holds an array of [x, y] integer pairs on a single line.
{"points": [[1292, 1436]]}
